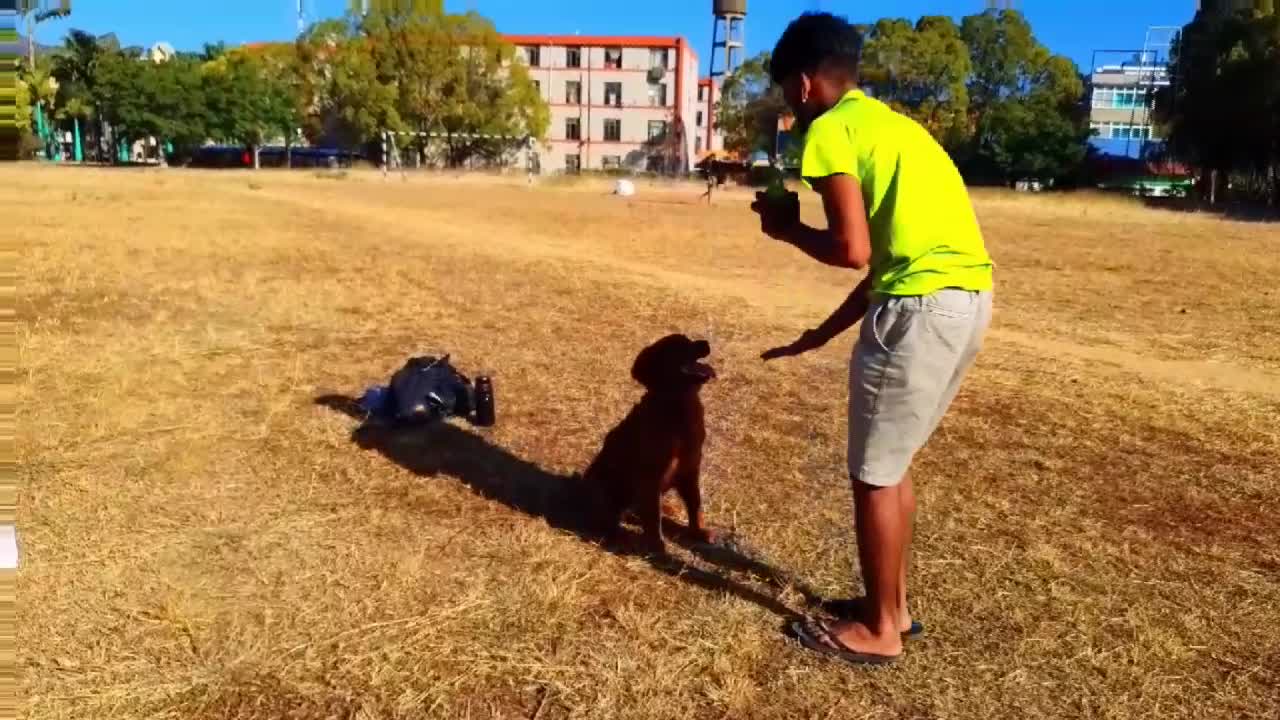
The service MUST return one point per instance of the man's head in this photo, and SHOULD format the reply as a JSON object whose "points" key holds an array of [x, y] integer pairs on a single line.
{"points": [[816, 63]]}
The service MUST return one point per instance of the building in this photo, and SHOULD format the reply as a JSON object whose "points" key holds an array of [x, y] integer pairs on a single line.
{"points": [[621, 102], [707, 137], [1121, 100]]}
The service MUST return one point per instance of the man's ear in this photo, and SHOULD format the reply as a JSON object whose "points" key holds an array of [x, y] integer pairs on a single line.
{"points": [[806, 86]]}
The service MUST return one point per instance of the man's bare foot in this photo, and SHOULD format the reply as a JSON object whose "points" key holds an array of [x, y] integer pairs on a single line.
{"points": [[859, 638], [703, 535], [855, 608]]}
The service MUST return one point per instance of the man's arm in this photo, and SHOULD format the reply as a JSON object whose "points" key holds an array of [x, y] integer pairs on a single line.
{"points": [[844, 317], [846, 242], [849, 312]]}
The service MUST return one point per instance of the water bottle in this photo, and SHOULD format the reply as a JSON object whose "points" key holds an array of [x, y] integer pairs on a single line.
{"points": [[486, 414]]}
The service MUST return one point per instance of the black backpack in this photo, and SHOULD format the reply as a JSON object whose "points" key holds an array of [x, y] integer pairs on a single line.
{"points": [[427, 389]]}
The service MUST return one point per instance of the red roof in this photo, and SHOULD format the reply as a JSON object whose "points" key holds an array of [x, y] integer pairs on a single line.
{"points": [[631, 41]]}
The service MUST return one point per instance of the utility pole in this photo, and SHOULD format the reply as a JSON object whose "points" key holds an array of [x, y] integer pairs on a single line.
{"points": [[37, 12]]}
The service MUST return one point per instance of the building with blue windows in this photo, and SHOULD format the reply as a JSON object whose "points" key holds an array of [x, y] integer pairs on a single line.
{"points": [[1121, 99]]}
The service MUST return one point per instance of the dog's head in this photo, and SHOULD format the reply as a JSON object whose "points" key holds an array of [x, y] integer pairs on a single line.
{"points": [[672, 363]]}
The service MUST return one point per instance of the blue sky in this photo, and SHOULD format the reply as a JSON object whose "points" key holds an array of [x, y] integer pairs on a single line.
{"points": [[1071, 27]]}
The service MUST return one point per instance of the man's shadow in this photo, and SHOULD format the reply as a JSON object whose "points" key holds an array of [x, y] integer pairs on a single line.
{"points": [[496, 474]]}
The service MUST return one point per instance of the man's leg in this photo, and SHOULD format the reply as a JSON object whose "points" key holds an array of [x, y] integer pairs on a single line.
{"points": [[858, 607], [880, 534], [907, 508]]}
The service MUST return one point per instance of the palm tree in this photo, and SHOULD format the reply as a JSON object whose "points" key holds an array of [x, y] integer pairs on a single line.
{"points": [[75, 67], [39, 90]]}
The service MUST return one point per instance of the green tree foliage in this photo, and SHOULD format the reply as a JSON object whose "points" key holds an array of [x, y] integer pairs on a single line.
{"points": [[248, 101], [35, 87], [1222, 113], [1026, 104], [455, 76], [167, 100], [410, 66], [21, 118], [921, 70], [340, 96], [75, 67], [997, 100], [393, 65], [397, 11], [750, 106]]}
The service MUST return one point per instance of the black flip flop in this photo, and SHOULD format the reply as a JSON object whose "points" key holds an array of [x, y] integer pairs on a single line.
{"points": [[816, 636], [848, 608]]}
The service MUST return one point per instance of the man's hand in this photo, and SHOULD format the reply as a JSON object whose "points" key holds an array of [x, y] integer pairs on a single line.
{"points": [[809, 340], [779, 214]]}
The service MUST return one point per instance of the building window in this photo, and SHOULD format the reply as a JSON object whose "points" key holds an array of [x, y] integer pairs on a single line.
{"points": [[657, 94], [537, 86], [573, 57], [533, 55], [573, 92], [702, 93], [1123, 131], [697, 144], [657, 129], [612, 129], [1121, 98], [573, 163], [613, 58], [572, 129], [613, 94], [658, 58], [699, 123], [611, 162]]}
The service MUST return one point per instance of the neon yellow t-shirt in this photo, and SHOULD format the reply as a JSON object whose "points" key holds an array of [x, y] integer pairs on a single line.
{"points": [[924, 234]]}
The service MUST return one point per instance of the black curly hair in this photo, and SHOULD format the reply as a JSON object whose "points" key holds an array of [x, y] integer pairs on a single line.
{"points": [[814, 41]]}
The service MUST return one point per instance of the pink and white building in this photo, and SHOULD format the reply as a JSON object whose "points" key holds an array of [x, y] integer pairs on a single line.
{"points": [[617, 102]]}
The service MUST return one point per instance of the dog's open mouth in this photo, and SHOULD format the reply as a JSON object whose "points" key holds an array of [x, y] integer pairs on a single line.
{"points": [[701, 371]]}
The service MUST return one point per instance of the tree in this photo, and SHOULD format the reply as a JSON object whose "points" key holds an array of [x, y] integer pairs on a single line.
{"points": [[455, 76], [248, 102], [491, 105], [75, 67], [1025, 104], [166, 100], [340, 97], [750, 105], [36, 87], [1222, 113], [921, 71]]}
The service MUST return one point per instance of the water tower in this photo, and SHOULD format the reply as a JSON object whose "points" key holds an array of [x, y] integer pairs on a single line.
{"points": [[727, 36]]}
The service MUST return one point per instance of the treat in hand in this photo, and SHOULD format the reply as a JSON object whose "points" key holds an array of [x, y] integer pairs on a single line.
{"points": [[777, 189]]}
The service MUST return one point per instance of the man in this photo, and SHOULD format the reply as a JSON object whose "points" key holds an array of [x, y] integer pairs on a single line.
{"points": [[896, 206]]}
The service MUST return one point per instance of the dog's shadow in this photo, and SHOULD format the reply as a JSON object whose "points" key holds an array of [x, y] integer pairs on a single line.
{"points": [[494, 473]]}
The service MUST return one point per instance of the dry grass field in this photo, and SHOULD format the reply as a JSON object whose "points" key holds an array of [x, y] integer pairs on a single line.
{"points": [[201, 539]]}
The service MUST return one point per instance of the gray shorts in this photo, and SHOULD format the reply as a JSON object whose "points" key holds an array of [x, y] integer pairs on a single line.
{"points": [[912, 353]]}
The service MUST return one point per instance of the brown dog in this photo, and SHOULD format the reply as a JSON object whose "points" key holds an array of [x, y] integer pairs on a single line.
{"points": [[658, 446]]}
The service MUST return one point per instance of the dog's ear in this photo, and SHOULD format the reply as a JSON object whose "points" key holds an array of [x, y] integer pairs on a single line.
{"points": [[647, 370]]}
